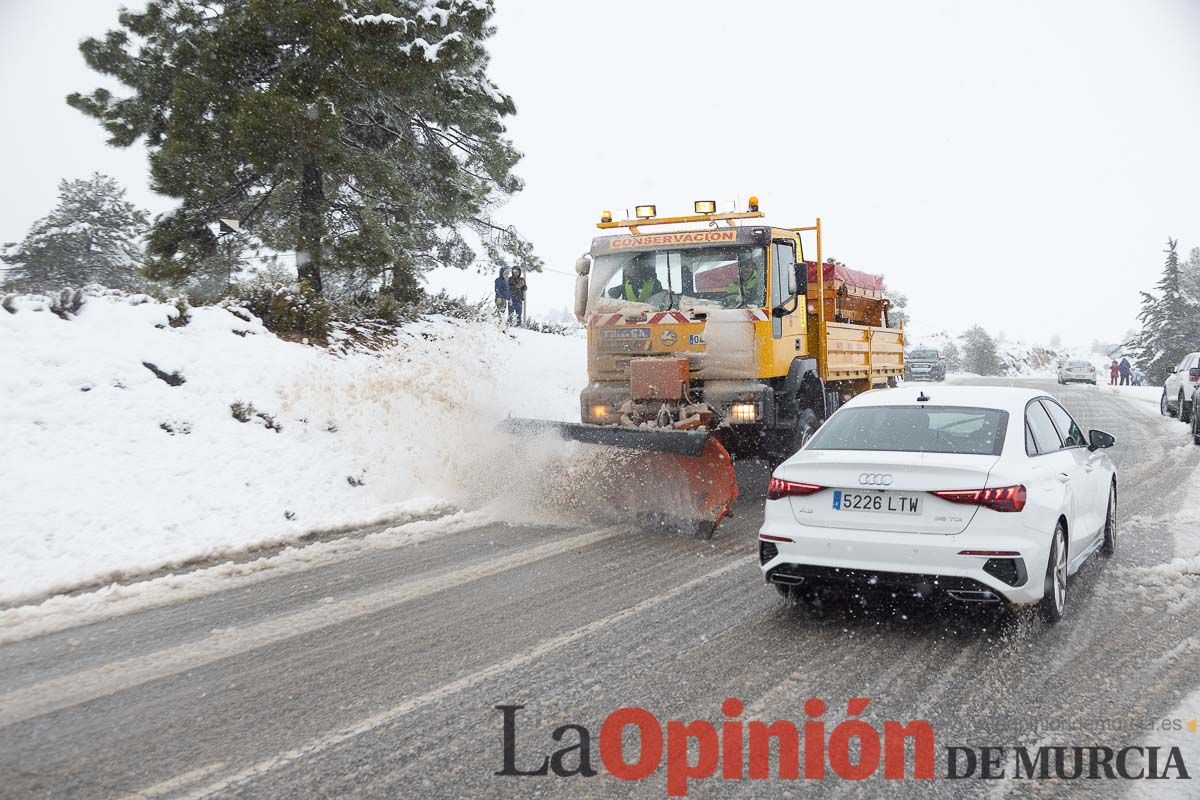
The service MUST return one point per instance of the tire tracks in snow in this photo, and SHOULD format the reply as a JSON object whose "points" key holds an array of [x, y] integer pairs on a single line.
{"points": [[89, 684], [64, 612]]}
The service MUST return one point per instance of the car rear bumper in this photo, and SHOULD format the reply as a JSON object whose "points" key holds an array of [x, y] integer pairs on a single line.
{"points": [[925, 564]]}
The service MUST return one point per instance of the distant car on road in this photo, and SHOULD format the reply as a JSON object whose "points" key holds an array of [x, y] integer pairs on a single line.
{"points": [[1076, 372], [971, 494], [924, 365], [1177, 393]]}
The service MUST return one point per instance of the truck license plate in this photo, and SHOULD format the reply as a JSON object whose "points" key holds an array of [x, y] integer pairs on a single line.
{"points": [[885, 502]]}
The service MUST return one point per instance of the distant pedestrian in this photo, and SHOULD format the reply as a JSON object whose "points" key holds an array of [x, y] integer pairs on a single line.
{"points": [[503, 295], [1113, 371], [516, 292], [1126, 369]]}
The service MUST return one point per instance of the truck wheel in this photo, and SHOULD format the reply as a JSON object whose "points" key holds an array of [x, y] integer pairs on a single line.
{"points": [[785, 442], [806, 426]]}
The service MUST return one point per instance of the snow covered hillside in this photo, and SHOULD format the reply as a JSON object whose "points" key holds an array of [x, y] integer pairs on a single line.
{"points": [[132, 442], [1020, 359]]}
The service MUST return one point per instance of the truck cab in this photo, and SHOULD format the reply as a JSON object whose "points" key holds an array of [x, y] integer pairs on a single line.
{"points": [[727, 326]]}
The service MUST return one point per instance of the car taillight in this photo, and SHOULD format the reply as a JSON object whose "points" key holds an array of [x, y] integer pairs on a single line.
{"points": [[1194, 375], [1007, 498], [779, 488]]}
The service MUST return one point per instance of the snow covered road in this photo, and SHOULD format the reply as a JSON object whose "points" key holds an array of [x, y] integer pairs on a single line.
{"points": [[376, 673]]}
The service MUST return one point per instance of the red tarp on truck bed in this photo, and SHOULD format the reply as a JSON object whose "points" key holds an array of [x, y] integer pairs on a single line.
{"points": [[718, 278], [863, 280]]}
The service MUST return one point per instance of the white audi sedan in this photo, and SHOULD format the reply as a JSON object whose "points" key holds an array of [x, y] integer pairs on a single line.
{"points": [[1076, 372], [964, 493]]}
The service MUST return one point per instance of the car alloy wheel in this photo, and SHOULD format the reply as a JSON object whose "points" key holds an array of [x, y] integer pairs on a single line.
{"points": [[1054, 599], [1110, 525]]}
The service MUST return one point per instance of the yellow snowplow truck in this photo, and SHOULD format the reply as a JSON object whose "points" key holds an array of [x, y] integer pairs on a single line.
{"points": [[711, 336]]}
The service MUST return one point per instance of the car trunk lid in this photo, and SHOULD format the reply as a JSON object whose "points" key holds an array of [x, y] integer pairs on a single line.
{"points": [[853, 479]]}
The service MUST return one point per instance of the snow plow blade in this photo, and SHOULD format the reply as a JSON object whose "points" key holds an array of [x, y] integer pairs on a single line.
{"points": [[657, 440], [684, 476]]}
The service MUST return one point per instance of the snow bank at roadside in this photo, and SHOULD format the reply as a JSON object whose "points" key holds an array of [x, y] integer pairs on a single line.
{"points": [[108, 469], [1145, 397]]}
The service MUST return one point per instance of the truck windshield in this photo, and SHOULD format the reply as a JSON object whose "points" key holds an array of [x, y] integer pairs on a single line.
{"points": [[731, 277]]}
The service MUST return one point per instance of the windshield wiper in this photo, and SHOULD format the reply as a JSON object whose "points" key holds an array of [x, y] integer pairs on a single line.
{"points": [[670, 288]]}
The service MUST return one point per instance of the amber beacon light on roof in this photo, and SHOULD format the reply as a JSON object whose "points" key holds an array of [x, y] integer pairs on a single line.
{"points": [[704, 211]]}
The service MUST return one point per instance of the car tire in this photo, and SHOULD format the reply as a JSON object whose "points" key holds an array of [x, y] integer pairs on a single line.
{"points": [[1164, 407], [1054, 597], [1109, 548], [1185, 409], [1195, 425]]}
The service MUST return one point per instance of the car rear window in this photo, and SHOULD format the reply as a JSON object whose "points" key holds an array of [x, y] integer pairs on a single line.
{"points": [[1078, 364], [915, 429]]}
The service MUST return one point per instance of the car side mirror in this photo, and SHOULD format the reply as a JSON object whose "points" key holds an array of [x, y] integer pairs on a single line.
{"points": [[779, 312], [1099, 440]]}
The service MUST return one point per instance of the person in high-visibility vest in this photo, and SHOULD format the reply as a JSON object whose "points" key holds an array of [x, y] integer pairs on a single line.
{"points": [[640, 294], [639, 290], [748, 290]]}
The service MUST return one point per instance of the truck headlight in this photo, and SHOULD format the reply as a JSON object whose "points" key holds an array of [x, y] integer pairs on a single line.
{"points": [[743, 412]]}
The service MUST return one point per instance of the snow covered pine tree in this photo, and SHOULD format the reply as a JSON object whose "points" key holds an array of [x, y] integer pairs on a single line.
{"points": [[1168, 322], [979, 352], [93, 235], [363, 134]]}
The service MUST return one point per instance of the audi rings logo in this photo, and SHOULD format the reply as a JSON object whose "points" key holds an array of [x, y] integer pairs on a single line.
{"points": [[875, 479]]}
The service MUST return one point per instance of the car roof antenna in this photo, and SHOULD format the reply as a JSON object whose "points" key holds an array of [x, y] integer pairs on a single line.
{"points": [[922, 398]]}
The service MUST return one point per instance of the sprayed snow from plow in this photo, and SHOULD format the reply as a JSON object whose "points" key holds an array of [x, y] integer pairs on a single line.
{"points": [[109, 471]]}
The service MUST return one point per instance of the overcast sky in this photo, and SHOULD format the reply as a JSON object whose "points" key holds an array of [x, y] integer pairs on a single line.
{"points": [[1015, 164]]}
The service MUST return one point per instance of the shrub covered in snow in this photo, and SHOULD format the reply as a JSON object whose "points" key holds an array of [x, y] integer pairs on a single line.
{"points": [[286, 309]]}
